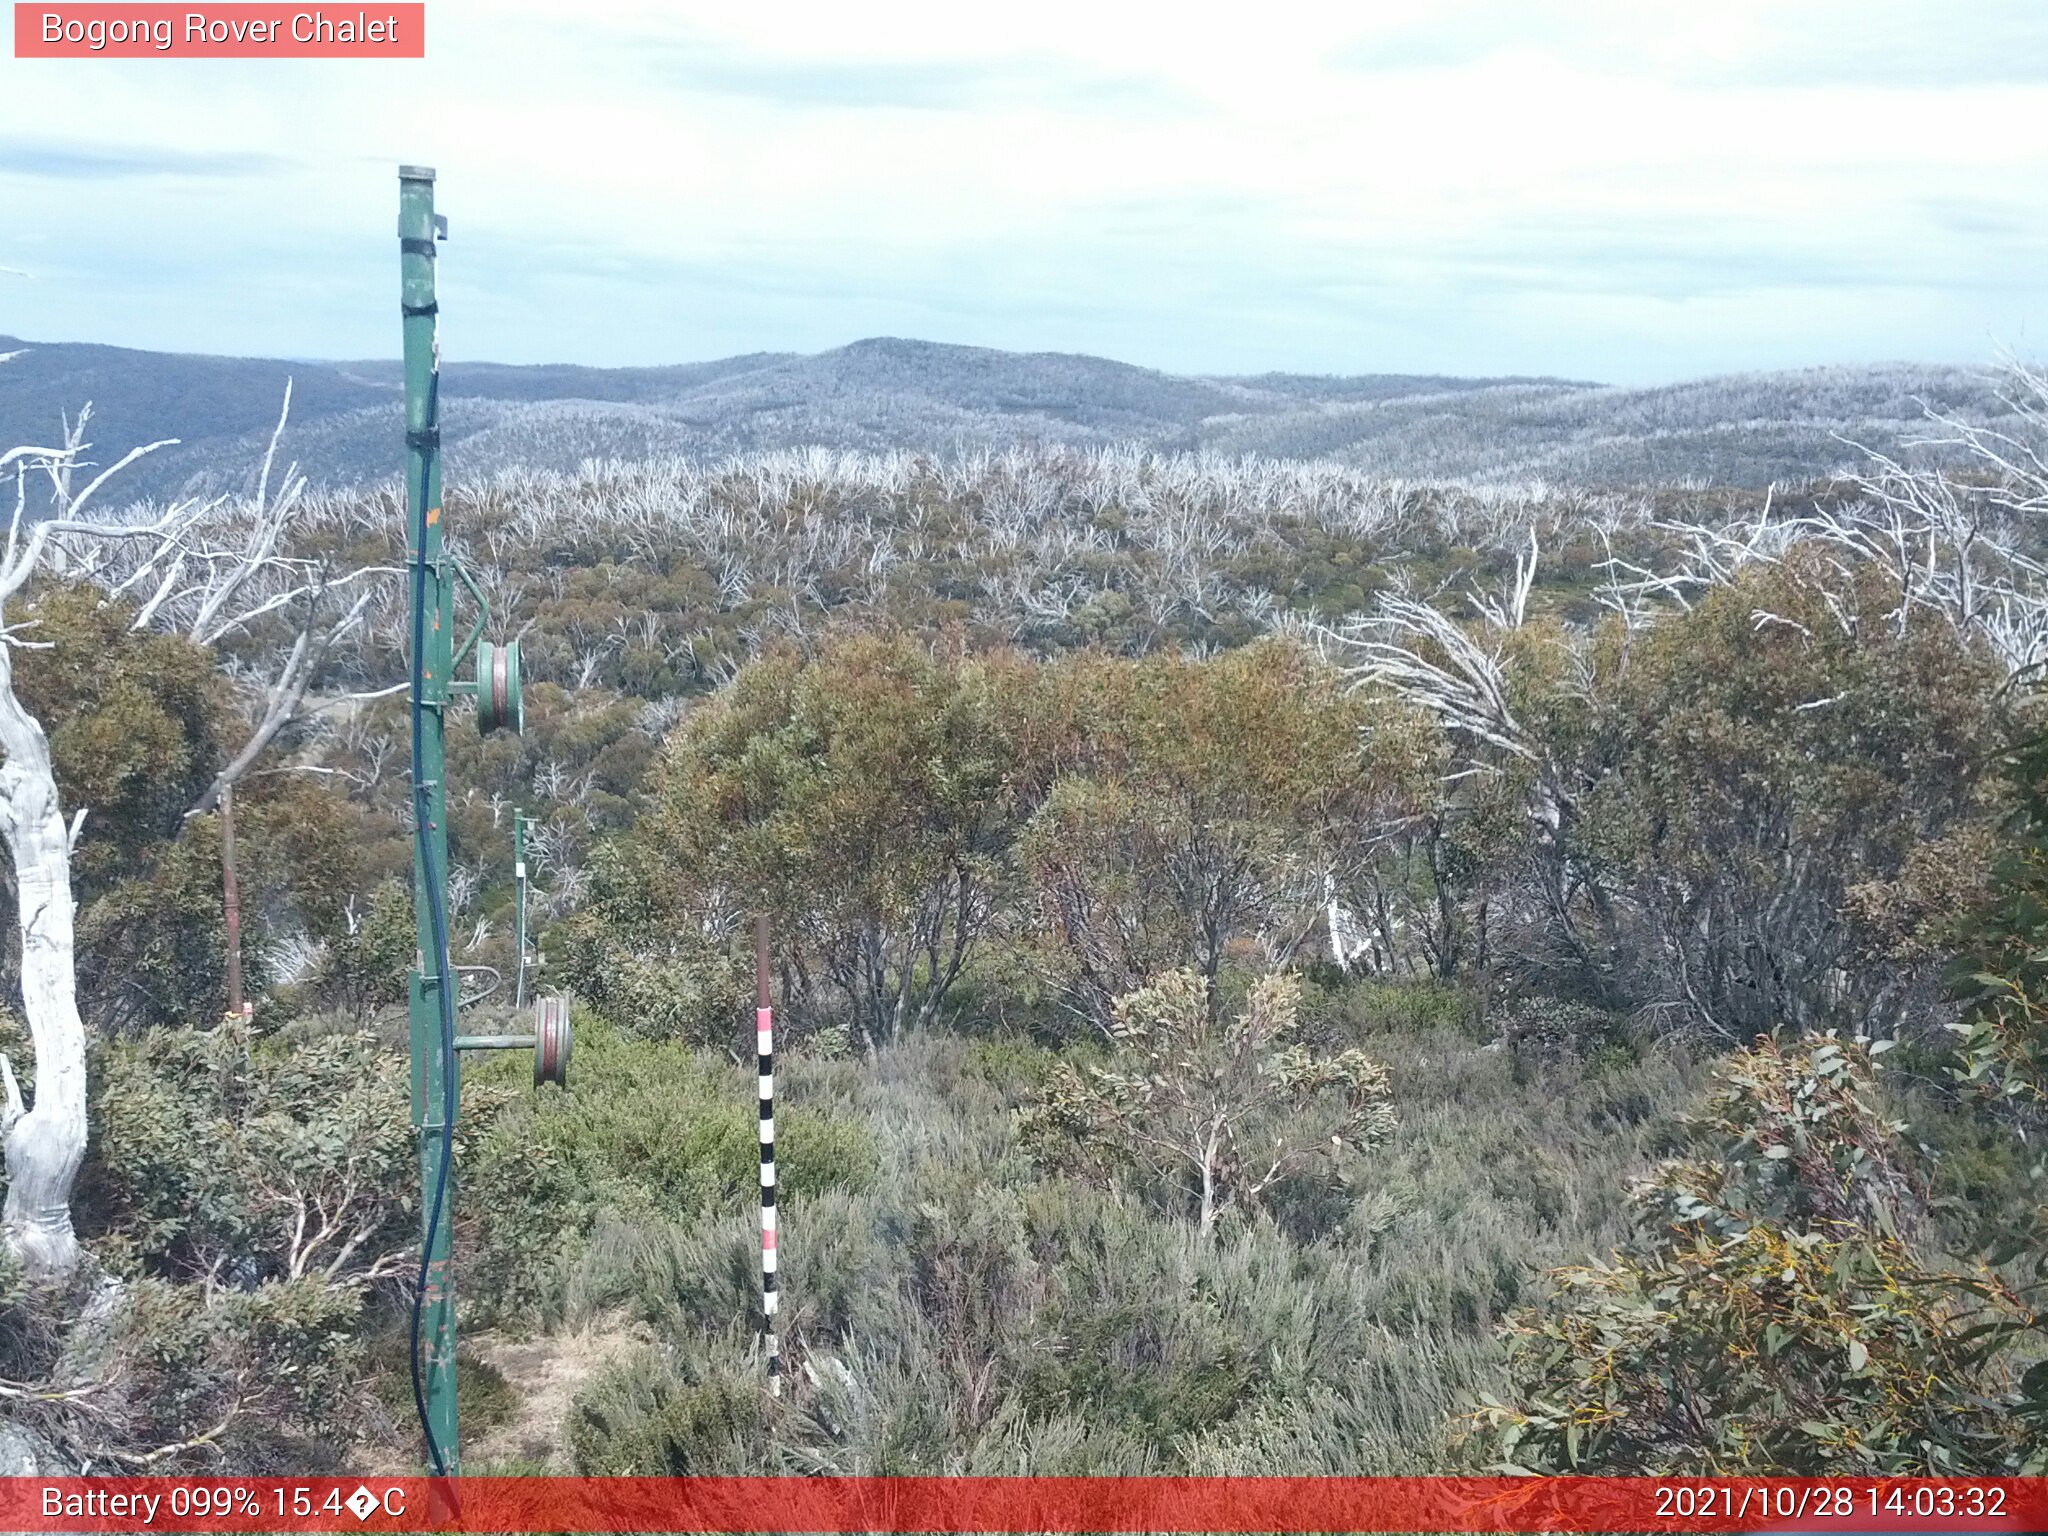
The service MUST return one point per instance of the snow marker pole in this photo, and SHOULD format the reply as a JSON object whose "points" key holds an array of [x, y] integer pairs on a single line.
{"points": [[764, 1032]]}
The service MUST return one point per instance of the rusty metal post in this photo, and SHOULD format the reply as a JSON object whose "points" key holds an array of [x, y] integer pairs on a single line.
{"points": [[232, 893]]}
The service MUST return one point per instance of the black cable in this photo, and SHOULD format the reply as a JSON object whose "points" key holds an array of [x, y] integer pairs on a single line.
{"points": [[437, 1459]]}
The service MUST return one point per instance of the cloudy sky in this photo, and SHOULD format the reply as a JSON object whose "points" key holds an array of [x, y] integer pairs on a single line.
{"points": [[1632, 191]]}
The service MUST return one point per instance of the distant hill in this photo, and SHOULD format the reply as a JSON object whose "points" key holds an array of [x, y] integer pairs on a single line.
{"points": [[891, 393]]}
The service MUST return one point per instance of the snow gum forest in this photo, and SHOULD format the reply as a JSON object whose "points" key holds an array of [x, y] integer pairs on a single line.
{"points": [[1278, 967]]}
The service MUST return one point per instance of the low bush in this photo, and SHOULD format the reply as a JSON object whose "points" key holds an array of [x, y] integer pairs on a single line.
{"points": [[648, 1131], [221, 1155], [976, 1312], [1776, 1315]]}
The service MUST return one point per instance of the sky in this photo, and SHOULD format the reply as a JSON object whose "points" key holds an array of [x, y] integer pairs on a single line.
{"points": [[1635, 192]]}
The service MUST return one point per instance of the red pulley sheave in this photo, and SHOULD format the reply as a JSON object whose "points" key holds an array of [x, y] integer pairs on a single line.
{"points": [[552, 1041]]}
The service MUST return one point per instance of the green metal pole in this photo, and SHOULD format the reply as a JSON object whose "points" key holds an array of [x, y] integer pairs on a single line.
{"points": [[435, 1078], [519, 904]]}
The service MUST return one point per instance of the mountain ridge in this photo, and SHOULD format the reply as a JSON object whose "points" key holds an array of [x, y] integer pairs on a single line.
{"points": [[887, 392]]}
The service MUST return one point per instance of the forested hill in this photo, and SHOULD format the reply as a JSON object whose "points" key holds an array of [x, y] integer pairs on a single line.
{"points": [[891, 393]]}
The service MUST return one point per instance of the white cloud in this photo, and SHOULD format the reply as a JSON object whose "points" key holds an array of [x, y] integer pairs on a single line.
{"points": [[1626, 190]]}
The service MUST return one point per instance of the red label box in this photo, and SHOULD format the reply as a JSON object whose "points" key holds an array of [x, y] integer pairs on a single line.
{"points": [[372, 30], [920, 1506]]}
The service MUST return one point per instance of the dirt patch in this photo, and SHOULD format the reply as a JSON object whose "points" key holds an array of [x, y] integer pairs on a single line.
{"points": [[547, 1372]]}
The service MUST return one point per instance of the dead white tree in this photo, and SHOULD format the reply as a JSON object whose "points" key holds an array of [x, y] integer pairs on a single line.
{"points": [[1441, 666], [227, 570], [208, 570], [45, 1144], [1960, 547]]}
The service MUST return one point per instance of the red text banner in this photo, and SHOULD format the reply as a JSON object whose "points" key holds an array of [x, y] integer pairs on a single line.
{"points": [[220, 31], [992, 1504]]}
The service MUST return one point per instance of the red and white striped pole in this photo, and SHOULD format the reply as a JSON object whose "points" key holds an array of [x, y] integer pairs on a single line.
{"points": [[764, 1027]]}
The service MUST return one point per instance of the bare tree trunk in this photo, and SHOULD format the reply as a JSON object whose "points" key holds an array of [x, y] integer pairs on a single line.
{"points": [[1209, 1182], [44, 1145]]}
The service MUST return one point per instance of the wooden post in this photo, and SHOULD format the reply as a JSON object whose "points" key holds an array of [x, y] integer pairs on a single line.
{"points": [[231, 889]]}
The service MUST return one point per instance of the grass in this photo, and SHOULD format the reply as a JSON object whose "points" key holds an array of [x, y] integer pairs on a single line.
{"points": [[484, 1399], [953, 1308]]}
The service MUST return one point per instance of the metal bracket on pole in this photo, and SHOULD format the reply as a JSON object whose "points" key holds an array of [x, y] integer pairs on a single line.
{"points": [[483, 618]]}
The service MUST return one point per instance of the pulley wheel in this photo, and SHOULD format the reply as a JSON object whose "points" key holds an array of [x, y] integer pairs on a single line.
{"points": [[552, 1040], [499, 702]]}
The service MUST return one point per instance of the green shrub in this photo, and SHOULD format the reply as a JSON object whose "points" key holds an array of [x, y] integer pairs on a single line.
{"points": [[1539, 1026], [1350, 1010], [182, 1376], [484, 1399], [219, 1154], [637, 957], [647, 1130], [304, 1337], [27, 1344], [1775, 1315], [247, 1196], [657, 1416], [1214, 1112], [368, 964]]}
